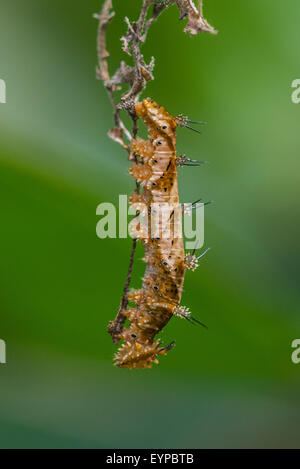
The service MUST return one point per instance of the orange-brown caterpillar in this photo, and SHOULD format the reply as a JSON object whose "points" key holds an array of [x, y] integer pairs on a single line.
{"points": [[155, 169]]}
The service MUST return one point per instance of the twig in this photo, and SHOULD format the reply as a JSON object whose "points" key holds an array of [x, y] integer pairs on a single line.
{"points": [[115, 327], [102, 71], [137, 78]]}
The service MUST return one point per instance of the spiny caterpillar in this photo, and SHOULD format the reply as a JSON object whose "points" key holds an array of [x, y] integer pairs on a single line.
{"points": [[155, 170]]}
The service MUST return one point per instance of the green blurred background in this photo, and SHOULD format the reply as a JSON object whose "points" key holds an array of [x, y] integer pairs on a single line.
{"points": [[231, 386]]}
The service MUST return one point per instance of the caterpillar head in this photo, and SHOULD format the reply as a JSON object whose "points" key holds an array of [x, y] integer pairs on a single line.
{"points": [[133, 354], [136, 352]]}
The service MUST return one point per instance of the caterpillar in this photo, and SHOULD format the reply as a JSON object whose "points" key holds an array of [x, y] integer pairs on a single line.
{"points": [[155, 170]]}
